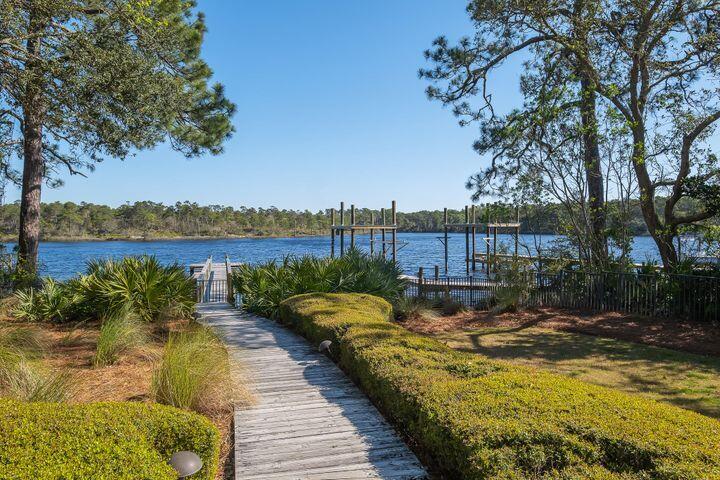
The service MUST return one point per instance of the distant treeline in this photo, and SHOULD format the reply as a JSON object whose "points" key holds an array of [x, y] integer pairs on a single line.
{"points": [[185, 219]]}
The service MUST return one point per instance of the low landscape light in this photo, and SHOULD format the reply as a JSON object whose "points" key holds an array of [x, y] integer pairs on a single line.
{"points": [[324, 346], [186, 463]]}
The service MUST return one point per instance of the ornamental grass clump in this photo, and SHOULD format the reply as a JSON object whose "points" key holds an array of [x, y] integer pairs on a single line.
{"points": [[21, 375], [194, 372], [264, 286], [480, 419], [414, 308], [119, 334]]}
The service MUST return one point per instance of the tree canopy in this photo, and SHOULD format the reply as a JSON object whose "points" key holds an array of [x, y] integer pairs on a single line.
{"points": [[86, 80], [618, 91]]}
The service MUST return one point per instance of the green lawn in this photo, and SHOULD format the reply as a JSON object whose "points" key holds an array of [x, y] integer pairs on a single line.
{"points": [[683, 379]]}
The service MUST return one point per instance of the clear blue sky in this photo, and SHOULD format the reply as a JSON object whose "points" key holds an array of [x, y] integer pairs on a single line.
{"points": [[329, 108]]}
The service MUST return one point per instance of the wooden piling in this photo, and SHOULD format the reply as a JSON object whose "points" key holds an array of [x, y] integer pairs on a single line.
{"points": [[372, 233], [382, 233], [445, 217], [342, 231], [487, 239], [467, 240], [332, 233], [352, 224], [394, 231], [473, 237]]}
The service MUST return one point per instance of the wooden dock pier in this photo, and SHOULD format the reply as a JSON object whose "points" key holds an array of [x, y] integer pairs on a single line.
{"points": [[310, 421], [213, 280]]}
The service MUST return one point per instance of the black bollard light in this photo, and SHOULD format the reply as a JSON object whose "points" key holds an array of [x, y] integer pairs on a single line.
{"points": [[186, 463], [324, 346]]}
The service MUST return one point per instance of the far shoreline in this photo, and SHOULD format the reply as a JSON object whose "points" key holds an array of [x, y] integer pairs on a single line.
{"points": [[140, 239], [156, 238]]}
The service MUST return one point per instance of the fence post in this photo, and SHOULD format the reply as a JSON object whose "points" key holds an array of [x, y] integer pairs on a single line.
{"points": [[228, 277], [420, 283]]}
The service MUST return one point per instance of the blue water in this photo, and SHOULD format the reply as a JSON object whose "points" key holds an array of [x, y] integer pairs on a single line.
{"points": [[63, 260]]}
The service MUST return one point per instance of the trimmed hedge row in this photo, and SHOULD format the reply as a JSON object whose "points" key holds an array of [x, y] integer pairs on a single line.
{"points": [[118, 441], [484, 419]]}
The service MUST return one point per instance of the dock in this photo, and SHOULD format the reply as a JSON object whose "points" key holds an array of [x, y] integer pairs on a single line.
{"points": [[213, 280], [310, 421]]}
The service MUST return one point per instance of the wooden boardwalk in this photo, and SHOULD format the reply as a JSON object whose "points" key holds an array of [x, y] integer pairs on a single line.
{"points": [[310, 421]]}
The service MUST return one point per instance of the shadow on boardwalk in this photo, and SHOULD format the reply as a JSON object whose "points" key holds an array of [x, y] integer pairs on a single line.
{"points": [[310, 421]]}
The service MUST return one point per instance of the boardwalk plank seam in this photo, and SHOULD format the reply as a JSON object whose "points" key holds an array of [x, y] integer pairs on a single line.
{"points": [[309, 421]]}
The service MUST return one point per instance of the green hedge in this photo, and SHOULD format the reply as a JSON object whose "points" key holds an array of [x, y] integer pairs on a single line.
{"points": [[484, 419], [118, 441]]}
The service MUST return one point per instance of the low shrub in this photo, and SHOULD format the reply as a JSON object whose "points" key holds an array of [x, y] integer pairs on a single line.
{"points": [[118, 334], [108, 288], [448, 306], [483, 419], [264, 286], [194, 372], [119, 441]]}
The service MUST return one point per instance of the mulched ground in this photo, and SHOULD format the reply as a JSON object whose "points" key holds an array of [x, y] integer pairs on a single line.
{"points": [[694, 337]]}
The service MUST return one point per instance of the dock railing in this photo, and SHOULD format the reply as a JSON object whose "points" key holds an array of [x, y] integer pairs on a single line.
{"points": [[690, 297]]}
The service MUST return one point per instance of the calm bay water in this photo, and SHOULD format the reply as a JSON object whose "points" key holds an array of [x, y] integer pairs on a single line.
{"points": [[62, 260]]}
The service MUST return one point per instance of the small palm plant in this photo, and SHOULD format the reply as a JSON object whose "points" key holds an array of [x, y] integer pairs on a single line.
{"points": [[263, 287]]}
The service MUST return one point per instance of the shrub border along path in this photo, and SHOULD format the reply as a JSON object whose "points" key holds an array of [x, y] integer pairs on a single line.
{"points": [[118, 441], [483, 419], [309, 421]]}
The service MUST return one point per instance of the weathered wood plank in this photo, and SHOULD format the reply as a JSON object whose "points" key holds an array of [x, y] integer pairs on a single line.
{"points": [[310, 420]]}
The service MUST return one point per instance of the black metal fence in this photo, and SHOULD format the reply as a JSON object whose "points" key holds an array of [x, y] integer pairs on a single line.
{"points": [[208, 291], [661, 295]]}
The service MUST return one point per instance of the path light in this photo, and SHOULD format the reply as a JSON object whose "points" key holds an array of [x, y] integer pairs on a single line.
{"points": [[186, 463], [325, 346]]}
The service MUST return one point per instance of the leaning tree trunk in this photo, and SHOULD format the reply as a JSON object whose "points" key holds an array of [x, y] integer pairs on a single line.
{"points": [[593, 172], [33, 170], [662, 235]]}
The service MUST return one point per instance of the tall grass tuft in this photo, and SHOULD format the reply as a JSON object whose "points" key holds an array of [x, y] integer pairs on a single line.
{"points": [[18, 344], [118, 334], [194, 372], [413, 308], [21, 377], [264, 286], [29, 383]]}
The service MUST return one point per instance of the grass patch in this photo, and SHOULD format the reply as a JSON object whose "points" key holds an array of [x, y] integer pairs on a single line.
{"points": [[479, 418], [194, 372], [683, 379], [118, 334]]}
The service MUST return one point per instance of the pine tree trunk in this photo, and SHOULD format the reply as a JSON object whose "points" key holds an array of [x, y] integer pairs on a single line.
{"points": [[33, 161], [33, 170]]}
